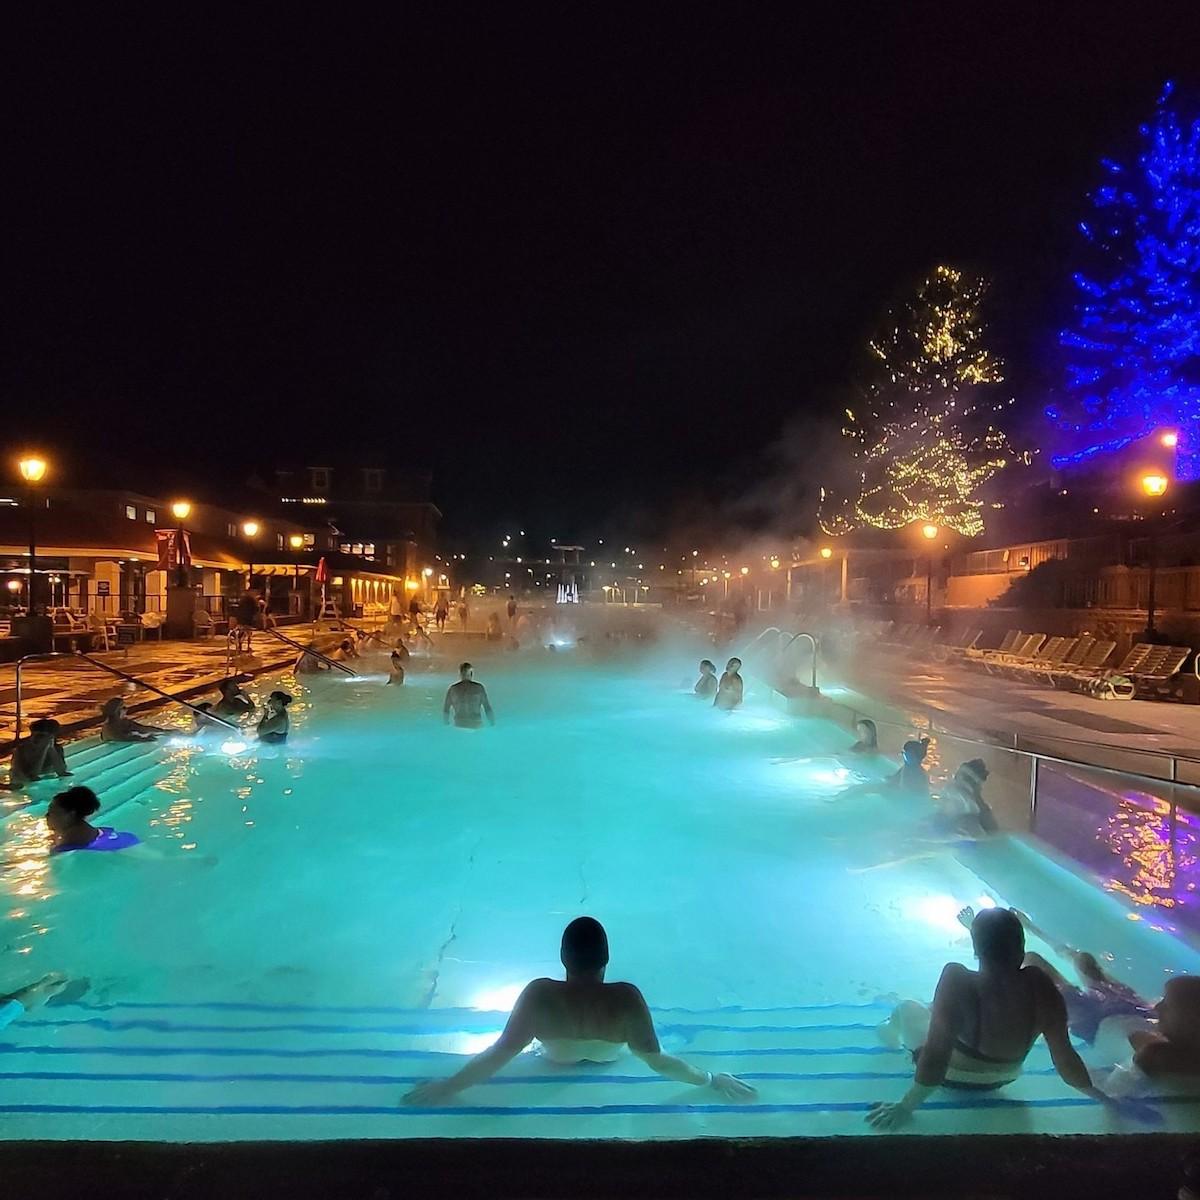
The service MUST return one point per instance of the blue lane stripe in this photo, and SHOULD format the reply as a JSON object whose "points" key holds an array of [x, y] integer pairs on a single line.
{"points": [[573, 1110], [366, 1052], [482, 1026], [395, 1080], [374, 1010]]}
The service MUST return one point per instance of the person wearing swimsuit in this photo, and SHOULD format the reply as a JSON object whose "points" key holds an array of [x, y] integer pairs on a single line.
{"points": [[467, 700], [582, 1019], [982, 1024], [729, 690]]}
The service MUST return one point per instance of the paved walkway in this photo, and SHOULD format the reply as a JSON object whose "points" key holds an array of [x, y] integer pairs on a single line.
{"points": [[1138, 734]]}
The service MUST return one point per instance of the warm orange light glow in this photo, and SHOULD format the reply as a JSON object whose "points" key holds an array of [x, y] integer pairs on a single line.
{"points": [[296, 541], [1154, 484], [250, 528], [427, 571], [181, 510], [1170, 439], [745, 570], [826, 552], [929, 531], [774, 564], [13, 585], [32, 468], [411, 584]]}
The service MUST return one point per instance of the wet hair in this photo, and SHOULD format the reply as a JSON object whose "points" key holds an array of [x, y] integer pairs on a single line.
{"points": [[914, 750], [1185, 989], [732, 661], [977, 767], [44, 725], [869, 725], [463, 667], [110, 706], [347, 644], [998, 938], [80, 802], [282, 697], [584, 946], [227, 684], [707, 662]]}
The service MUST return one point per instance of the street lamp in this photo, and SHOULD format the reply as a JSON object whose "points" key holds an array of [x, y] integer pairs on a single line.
{"points": [[180, 510], [929, 532], [1154, 485], [250, 531], [826, 552], [33, 470]]}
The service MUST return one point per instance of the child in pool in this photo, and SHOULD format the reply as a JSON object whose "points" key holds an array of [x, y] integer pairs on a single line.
{"points": [[67, 818], [274, 724]]}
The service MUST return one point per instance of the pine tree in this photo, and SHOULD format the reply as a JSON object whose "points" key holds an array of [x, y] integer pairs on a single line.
{"points": [[920, 441], [1133, 349]]}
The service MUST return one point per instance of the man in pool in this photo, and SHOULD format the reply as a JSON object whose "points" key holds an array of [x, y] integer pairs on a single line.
{"points": [[467, 700], [581, 1020], [706, 685], [729, 690], [982, 1024]]}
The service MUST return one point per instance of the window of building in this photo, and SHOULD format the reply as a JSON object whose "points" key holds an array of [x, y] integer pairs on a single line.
{"points": [[372, 479], [131, 511], [319, 478], [356, 548], [231, 529], [369, 549], [150, 516], [310, 540], [345, 547]]}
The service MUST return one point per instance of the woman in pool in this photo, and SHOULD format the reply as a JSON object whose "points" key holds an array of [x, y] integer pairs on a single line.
{"points": [[119, 726], [868, 737], [309, 664], [581, 1020], [396, 669], [961, 806], [344, 652], [233, 702], [729, 690], [202, 721], [912, 777], [67, 818], [274, 725], [706, 685]]}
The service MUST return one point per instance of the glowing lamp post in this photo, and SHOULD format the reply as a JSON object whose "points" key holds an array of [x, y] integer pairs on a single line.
{"points": [[296, 542], [929, 532], [250, 532], [1154, 485], [180, 510], [33, 471]]}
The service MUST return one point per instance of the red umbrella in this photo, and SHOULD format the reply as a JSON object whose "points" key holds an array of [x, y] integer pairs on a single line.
{"points": [[321, 575]]}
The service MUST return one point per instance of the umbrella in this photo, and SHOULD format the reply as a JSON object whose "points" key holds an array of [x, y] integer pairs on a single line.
{"points": [[321, 575]]}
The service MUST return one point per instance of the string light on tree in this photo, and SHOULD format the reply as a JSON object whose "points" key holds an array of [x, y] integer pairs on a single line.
{"points": [[927, 438], [1133, 351]]}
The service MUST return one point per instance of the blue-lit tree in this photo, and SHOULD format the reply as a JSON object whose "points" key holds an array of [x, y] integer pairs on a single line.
{"points": [[1133, 350]]}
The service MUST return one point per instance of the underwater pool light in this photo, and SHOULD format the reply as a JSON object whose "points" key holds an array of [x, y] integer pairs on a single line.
{"points": [[497, 999], [232, 747]]}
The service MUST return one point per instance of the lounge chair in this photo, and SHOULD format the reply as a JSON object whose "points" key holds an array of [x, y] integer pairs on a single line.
{"points": [[1155, 668], [1073, 657], [1050, 650], [204, 625], [1079, 675], [1051, 655], [1023, 649], [1006, 644]]}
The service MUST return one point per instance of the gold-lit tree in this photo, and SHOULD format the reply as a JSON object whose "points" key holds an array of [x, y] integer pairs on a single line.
{"points": [[924, 438]]}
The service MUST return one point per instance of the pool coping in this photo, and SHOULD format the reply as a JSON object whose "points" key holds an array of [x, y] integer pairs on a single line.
{"points": [[996, 1165]]}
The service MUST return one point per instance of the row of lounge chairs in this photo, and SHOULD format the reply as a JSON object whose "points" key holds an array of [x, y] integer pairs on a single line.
{"points": [[1080, 663]]}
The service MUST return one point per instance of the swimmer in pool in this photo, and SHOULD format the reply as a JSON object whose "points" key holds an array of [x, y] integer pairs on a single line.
{"points": [[912, 777], [706, 685], [67, 819], [15, 1005], [118, 726], [274, 724], [233, 702], [961, 808], [309, 664], [202, 721], [982, 1024], [868, 737], [37, 755], [581, 1020], [344, 652], [466, 699], [396, 669], [729, 690]]}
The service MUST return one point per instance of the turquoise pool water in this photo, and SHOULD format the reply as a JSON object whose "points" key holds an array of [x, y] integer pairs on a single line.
{"points": [[324, 923]]}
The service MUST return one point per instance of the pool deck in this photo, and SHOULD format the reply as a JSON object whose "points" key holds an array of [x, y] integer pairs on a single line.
{"points": [[959, 699]]}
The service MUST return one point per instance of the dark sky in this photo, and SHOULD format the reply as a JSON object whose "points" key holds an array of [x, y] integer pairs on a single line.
{"points": [[576, 259]]}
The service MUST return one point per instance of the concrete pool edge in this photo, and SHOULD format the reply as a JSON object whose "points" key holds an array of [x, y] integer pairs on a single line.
{"points": [[1031, 1166]]}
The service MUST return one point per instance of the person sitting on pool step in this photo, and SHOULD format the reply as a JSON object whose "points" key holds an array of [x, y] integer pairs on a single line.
{"points": [[274, 724], [467, 699], [233, 702], [37, 755], [67, 819], [581, 1020], [982, 1024], [309, 664], [119, 726], [706, 685], [202, 719], [729, 690]]}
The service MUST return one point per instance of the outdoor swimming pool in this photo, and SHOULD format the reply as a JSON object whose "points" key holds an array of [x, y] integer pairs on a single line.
{"points": [[334, 919]]}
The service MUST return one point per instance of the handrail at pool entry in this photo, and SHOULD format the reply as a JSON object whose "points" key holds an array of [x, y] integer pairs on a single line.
{"points": [[812, 637], [310, 650]]}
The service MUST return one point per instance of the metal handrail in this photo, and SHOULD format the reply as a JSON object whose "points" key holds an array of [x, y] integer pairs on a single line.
{"points": [[309, 650], [812, 637], [44, 657]]}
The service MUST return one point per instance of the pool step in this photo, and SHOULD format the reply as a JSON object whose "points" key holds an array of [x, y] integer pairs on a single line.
{"points": [[229, 1070]]}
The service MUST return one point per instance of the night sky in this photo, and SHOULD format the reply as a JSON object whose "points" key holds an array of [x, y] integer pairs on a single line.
{"points": [[592, 266]]}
